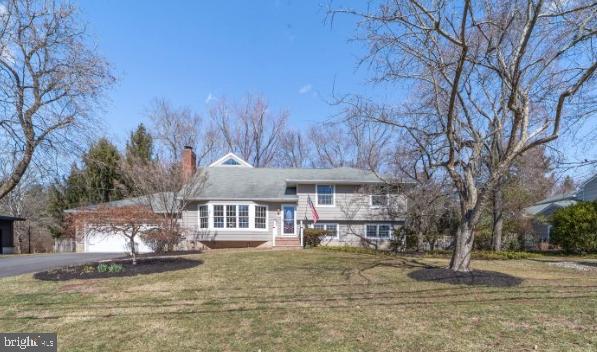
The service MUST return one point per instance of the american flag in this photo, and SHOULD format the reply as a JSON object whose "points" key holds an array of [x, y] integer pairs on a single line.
{"points": [[313, 210]]}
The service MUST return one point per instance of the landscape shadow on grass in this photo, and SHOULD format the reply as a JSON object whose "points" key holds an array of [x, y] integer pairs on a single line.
{"points": [[588, 263], [472, 278], [144, 266]]}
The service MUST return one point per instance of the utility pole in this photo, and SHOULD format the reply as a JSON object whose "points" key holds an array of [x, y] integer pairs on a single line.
{"points": [[29, 235]]}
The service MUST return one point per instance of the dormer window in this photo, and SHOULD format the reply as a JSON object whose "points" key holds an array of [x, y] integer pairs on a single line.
{"points": [[231, 162]]}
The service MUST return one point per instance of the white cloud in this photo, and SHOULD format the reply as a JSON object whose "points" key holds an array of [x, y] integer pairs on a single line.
{"points": [[305, 89], [210, 98]]}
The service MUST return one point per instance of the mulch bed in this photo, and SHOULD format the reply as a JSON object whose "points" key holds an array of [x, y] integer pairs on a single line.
{"points": [[473, 278], [144, 266]]}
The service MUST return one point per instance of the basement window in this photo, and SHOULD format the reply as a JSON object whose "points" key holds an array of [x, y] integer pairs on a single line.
{"points": [[381, 231]]}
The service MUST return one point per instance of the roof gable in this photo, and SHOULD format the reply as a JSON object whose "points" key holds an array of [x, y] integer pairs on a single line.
{"points": [[230, 160]]}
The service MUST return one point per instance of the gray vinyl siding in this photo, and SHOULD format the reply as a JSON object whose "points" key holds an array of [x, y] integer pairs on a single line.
{"points": [[350, 205], [190, 220], [354, 234], [190, 216], [351, 212]]}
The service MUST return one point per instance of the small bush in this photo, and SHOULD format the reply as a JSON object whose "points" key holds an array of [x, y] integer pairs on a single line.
{"points": [[503, 255], [403, 239], [312, 237], [352, 249], [575, 228], [109, 268], [88, 269], [487, 255]]}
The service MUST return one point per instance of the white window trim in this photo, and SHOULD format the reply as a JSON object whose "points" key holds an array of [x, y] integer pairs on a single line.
{"points": [[379, 206], [326, 224], [248, 216], [333, 196], [377, 231], [251, 228], [199, 216], [220, 162], [252, 217]]}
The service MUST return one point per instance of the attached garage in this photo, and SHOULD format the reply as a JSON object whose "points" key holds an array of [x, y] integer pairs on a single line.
{"points": [[112, 243]]}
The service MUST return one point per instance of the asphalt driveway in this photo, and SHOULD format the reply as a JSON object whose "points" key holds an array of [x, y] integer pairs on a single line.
{"points": [[11, 265]]}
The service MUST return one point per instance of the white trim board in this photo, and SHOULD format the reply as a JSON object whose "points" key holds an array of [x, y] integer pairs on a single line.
{"points": [[220, 162]]}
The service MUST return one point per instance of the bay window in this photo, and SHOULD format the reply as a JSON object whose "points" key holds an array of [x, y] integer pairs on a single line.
{"points": [[231, 216], [203, 217], [260, 216], [218, 216], [243, 216]]}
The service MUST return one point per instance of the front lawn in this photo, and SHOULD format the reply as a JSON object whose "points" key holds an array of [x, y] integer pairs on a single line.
{"points": [[313, 300]]}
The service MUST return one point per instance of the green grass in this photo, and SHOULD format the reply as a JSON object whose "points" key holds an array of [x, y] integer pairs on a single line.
{"points": [[312, 300]]}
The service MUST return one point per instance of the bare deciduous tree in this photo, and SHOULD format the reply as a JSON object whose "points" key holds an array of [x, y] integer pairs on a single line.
{"points": [[162, 187], [131, 222], [250, 129], [515, 71], [174, 128], [352, 143], [295, 150], [50, 80], [427, 192]]}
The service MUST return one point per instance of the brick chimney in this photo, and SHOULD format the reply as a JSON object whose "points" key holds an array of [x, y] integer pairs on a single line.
{"points": [[189, 163]]}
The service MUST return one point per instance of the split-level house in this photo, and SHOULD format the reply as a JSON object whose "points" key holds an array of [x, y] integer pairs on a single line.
{"points": [[230, 203]]}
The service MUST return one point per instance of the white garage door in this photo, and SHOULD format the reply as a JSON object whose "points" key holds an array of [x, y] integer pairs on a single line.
{"points": [[112, 243]]}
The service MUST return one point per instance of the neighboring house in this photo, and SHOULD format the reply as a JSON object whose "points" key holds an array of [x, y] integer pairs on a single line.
{"points": [[232, 204], [7, 234], [542, 210]]}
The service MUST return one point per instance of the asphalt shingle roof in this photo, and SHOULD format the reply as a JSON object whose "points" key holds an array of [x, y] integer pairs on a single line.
{"points": [[160, 202], [267, 183]]}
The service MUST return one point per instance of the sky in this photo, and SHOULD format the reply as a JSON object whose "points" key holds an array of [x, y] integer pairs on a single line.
{"points": [[193, 53]]}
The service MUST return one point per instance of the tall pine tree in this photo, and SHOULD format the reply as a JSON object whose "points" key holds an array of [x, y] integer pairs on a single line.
{"points": [[139, 147], [102, 173]]}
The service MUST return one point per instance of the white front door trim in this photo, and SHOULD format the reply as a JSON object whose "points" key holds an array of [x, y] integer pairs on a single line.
{"points": [[283, 232]]}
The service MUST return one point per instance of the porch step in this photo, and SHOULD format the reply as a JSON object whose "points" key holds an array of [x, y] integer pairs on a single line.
{"points": [[288, 242]]}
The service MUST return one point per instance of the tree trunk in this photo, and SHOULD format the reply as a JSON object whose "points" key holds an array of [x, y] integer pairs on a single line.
{"points": [[133, 250], [420, 241], [432, 244], [461, 257], [498, 219]]}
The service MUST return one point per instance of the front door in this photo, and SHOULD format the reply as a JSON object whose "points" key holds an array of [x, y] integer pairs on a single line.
{"points": [[289, 220]]}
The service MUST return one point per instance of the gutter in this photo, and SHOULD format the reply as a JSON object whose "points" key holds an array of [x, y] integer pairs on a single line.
{"points": [[246, 199], [336, 182]]}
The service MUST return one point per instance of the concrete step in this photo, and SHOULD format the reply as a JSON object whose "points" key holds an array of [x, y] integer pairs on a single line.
{"points": [[288, 242]]}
